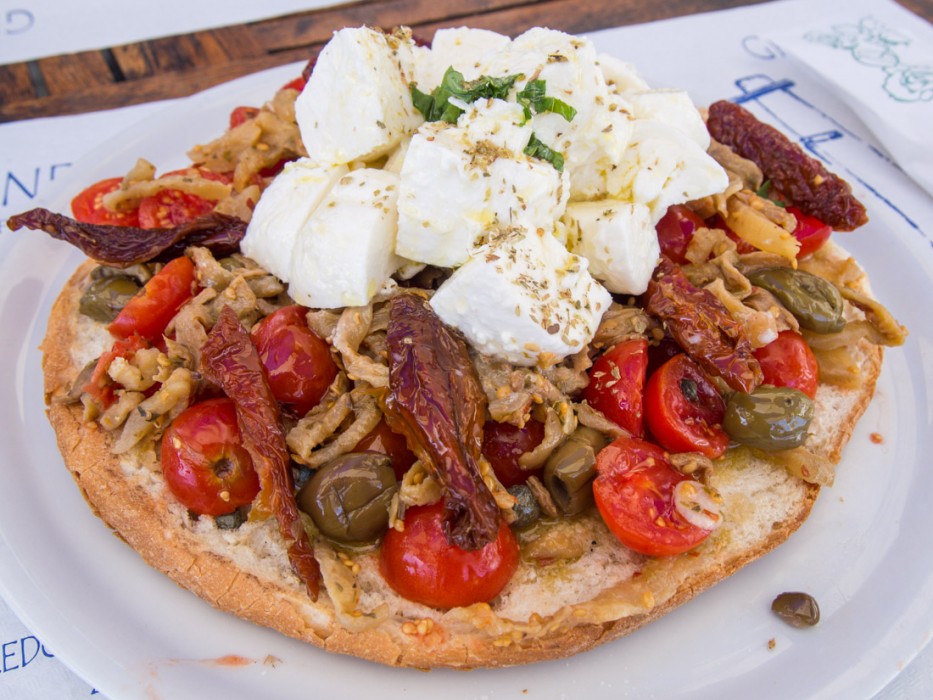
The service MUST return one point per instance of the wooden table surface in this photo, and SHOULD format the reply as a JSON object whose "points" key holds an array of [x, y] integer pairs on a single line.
{"points": [[181, 65]]}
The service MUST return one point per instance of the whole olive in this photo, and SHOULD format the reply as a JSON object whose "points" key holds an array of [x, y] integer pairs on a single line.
{"points": [[770, 418], [797, 609], [105, 296], [571, 468], [348, 498], [526, 508], [815, 303]]}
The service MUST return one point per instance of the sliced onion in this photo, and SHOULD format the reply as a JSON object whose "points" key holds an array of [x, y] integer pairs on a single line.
{"points": [[698, 505]]}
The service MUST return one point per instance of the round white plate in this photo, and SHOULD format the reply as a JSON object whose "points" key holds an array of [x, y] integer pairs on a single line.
{"points": [[132, 633]]}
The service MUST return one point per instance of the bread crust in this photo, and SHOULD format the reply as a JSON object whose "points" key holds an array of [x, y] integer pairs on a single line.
{"points": [[139, 514]]}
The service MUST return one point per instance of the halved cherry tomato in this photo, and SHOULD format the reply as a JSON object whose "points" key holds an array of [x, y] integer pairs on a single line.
{"points": [[683, 409], [617, 380], [811, 232], [204, 462], [789, 361], [170, 208], [100, 385], [298, 363], [149, 312], [296, 84], [634, 491], [88, 206], [241, 115], [675, 231], [384, 440], [420, 565], [504, 443]]}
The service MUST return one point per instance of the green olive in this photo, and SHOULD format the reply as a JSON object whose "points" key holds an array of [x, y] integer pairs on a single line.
{"points": [[348, 498], [770, 418], [815, 303], [797, 609], [526, 508], [571, 468], [105, 296]]}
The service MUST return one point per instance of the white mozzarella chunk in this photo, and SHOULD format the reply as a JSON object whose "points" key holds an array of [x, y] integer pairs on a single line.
{"points": [[523, 297], [619, 241], [467, 50], [620, 76], [663, 166], [283, 209], [458, 184], [674, 108], [609, 135], [357, 104], [344, 253]]}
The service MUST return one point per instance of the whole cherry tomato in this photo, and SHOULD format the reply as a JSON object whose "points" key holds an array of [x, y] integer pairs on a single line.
{"points": [[170, 208], [675, 231], [617, 381], [810, 231], [789, 361], [88, 206], [149, 312], [298, 363], [384, 440], [635, 494], [420, 565], [683, 409], [503, 444], [204, 462]]}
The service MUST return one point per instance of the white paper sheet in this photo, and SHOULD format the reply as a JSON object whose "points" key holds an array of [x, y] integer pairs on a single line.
{"points": [[31, 29], [720, 55]]}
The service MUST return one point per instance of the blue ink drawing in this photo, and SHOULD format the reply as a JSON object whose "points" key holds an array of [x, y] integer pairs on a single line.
{"points": [[843, 151]]}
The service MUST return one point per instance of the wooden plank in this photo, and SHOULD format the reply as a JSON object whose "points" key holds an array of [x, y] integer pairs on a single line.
{"points": [[15, 83], [134, 61], [63, 74]]}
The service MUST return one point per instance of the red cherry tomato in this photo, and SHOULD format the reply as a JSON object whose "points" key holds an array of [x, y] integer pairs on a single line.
{"points": [[504, 443], [170, 208], [100, 385], [617, 380], [384, 440], [811, 232], [204, 462], [149, 312], [675, 231], [789, 361], [296, 84], [88, 206], [421, 566], [634, 491], [298, 363], [241, 115], [683, 409]]}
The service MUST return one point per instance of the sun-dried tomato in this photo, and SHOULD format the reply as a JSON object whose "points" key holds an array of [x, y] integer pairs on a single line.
{"points": [[435, 399], [800, 178], [700, 324], [229, 360], [122, 246]]}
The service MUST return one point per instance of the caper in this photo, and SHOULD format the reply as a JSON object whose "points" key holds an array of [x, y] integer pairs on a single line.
{"points": [[815, 303], [797, 609], [348, 498], [526, 508], [105, 296], [770, 418], [571, 468]]}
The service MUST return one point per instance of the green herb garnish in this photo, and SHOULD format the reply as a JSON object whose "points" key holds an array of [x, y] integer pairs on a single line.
{"points": [[533, 100], [767, 191], [437, 106], [537, 149]]}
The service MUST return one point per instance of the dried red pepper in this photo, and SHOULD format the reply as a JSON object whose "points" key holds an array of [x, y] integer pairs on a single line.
{"points": [[800, 178], [229, 359], [702, 326], [436, 400], [122, 246]]}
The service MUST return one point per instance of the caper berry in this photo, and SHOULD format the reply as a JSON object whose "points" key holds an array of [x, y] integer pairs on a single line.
{"points": [[770, 418], [526, 508], [797, 609], [815, 303], [571, 468], [348, 498], [105, 296]]}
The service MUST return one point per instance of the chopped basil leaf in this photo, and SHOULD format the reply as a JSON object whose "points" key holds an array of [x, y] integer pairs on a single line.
{"points": [[536, 149], [766, 191], [533, 99], [437, 106]]}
